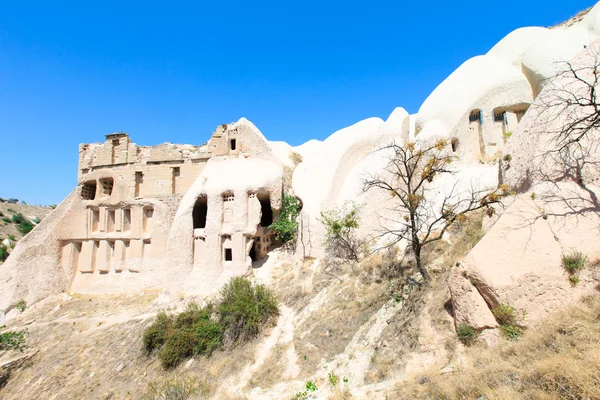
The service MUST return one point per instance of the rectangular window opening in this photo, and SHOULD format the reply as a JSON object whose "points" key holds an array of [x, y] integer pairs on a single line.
{"points": [[88, 190], [233, 144], [176, 172], [199, 212], [147, 219], [110, 220], [139, 180], [228, 255], [126, 219], [107, 186], [95, 219]]}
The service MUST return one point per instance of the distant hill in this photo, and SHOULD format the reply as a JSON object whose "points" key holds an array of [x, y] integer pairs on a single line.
{"points": [[10, 229]]}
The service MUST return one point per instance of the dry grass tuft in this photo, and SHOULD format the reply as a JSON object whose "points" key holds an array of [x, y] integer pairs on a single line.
{"points": [[271, 370], [349, 305], [573, 20], [559, 359]]}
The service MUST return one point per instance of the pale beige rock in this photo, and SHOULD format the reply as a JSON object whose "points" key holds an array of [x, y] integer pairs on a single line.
{"points": [[518, 262], [467, 304], [491, 337]]}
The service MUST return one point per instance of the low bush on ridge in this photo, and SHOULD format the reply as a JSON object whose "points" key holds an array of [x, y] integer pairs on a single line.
{"points": [[238, 317]]}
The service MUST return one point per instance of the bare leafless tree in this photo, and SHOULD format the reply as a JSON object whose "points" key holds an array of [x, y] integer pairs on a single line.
{"points": [[418, 217], [569, 113]]}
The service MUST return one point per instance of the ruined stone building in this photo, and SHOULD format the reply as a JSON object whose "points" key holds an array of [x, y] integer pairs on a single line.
{"points": [[141, 216]]}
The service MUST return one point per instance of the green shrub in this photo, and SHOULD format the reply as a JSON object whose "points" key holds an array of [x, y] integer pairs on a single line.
{"points": [[238, 316], [574, 280], [310, 387], [12, 237], [18, 218], [466, 334], [505, 314], [25, 227], [180, 336], [14, 340], [155, 335], [512, 332], [36, 220], [179, 345], [3, 253], [21, 305], [244, 308], [198, 320], [340, 227], [333, 379], [509, 321], [6, 219], [574, 262], [286, 226], [10, 210]]}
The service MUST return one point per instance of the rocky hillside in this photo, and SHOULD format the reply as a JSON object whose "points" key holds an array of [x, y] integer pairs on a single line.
{"points": [[354, 330], [370, 330], [12, 228]]}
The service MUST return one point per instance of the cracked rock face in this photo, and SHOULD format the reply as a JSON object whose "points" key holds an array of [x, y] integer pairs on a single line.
{"points": [[556, 212], [468, 305], [518, 262]]}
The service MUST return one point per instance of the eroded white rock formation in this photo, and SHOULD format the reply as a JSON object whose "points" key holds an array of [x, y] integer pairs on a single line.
{"points": [[187, 218]]}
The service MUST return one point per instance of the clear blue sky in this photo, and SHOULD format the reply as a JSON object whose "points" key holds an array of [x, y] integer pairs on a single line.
{"points": [[71, 72]]}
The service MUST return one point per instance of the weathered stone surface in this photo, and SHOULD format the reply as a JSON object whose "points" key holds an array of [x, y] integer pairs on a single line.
{"points": [[467, 304]]}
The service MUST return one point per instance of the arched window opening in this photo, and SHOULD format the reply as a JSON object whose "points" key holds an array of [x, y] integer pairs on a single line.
{"points": [[199, 213], [266, 218], [454, 144], [476, 116]]}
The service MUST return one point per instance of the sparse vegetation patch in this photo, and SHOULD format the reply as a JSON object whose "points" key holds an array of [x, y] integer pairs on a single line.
{"points": [[556, 360], [18, 218], [13, 340], [340, 226], [3, 253], [509, 321], [466, 334], [574, 262], [25, 227], [21, 305], [286, 226]]}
